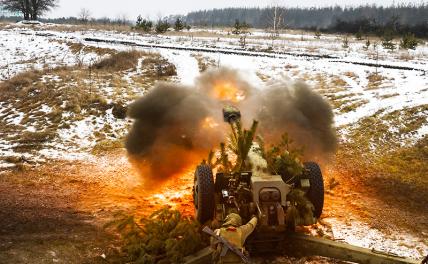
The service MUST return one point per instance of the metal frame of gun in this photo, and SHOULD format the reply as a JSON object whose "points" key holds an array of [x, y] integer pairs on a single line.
{"points": [[425, 260], [226, 245]]}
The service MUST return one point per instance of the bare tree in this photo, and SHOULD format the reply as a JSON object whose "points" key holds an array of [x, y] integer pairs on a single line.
{"points": [[23, 6], [122, 19], [274, 21], [84, 15], [39, 7], [31, 9]]}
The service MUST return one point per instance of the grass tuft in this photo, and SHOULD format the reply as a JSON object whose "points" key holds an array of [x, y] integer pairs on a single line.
{"points": [[120, 61], [21, 80]]}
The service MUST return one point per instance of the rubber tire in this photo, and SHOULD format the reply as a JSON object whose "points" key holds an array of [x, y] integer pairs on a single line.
{"points": [[316, 190], [204, 193]]}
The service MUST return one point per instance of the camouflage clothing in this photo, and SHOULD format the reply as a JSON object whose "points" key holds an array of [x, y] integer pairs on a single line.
{"points": [[233, 231]]}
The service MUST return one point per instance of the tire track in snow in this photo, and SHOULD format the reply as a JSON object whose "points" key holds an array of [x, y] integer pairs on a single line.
{"points": [[186, 65]]}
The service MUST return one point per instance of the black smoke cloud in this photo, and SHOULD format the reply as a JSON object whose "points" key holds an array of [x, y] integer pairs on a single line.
{"points": [[169, 129], [294, 107], [176, 126]]}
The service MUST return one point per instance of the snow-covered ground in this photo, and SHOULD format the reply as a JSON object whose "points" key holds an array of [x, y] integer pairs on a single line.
{"points": [[360, 234], [22, 50], [363, 90]]}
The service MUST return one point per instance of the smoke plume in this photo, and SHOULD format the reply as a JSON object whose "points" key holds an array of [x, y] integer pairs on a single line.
{"points": [[294, 107], [172, 128], [175, 126]]}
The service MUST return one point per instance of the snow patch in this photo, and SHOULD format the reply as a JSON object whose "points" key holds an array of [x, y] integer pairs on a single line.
{"points": [[360, 234]]}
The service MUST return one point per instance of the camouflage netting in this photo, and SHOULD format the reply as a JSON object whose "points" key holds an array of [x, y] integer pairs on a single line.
{"points": [[164, 237]]}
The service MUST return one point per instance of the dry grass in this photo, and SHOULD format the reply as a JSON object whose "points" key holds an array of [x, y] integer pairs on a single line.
{"points": [[28, 94], [352, 106], [203, 62], [290, 66], [263, 77], [19, 81], [405, 56], [338, 101], [91, 27], [52, 99], [35, 137], [338, 82], [3, 25], [321, 80], [199, 34], [158, 67], [120, 61], [77, 47], [351, 75], [107, 145], [385, 96], [375, 81], [381, 152]]}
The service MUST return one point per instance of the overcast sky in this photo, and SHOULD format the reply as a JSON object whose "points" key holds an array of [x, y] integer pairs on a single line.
{"points": [[154, 8]]}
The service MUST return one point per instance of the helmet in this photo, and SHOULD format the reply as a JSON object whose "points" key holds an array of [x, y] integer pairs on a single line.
{"points": [[233, 220]]}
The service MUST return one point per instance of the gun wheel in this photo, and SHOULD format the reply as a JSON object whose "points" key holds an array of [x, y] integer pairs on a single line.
{"points": [[203, 193], [316, 191]]}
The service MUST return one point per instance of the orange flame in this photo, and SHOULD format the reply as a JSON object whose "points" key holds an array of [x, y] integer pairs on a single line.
{"points": [[209, 122], [227, 91]]}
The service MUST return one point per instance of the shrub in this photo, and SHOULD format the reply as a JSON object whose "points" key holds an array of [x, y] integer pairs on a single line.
{"points": [[36, 137], [240, 27], [106, 145], [387, 42], [317, 34], [359, 34], [119, 111], [367, 44], [179, 25], [166, 236], [162, 26], [283, 159], [165, 70], [409, 41], [345, 42], [120, 61], [21, 80], [144, 24]]}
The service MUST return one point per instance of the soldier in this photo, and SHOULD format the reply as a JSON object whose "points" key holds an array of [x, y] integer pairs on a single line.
{"points": [[235, 233]]}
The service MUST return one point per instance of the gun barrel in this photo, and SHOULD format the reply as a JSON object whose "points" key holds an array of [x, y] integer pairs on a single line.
{"points": [[231, 114]]}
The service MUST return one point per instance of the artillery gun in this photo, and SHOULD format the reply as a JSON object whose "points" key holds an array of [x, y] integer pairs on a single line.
{"points": [[280, 202]]}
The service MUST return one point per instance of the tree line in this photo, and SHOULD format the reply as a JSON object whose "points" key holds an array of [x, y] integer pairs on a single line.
{"points": [[368, 18], [30, 9]]}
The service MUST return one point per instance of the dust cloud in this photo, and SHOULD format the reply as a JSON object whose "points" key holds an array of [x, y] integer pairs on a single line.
{"points": [[175, 126]]}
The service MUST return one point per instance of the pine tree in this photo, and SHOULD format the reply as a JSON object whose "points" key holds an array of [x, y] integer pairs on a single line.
{"points": [[359, 34], [236, 27], [241, 141], [409, 41], [162, 26], [139, 20], [387, 40], [144, 24], [317, 34], [367, 44], [179, 25]]}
